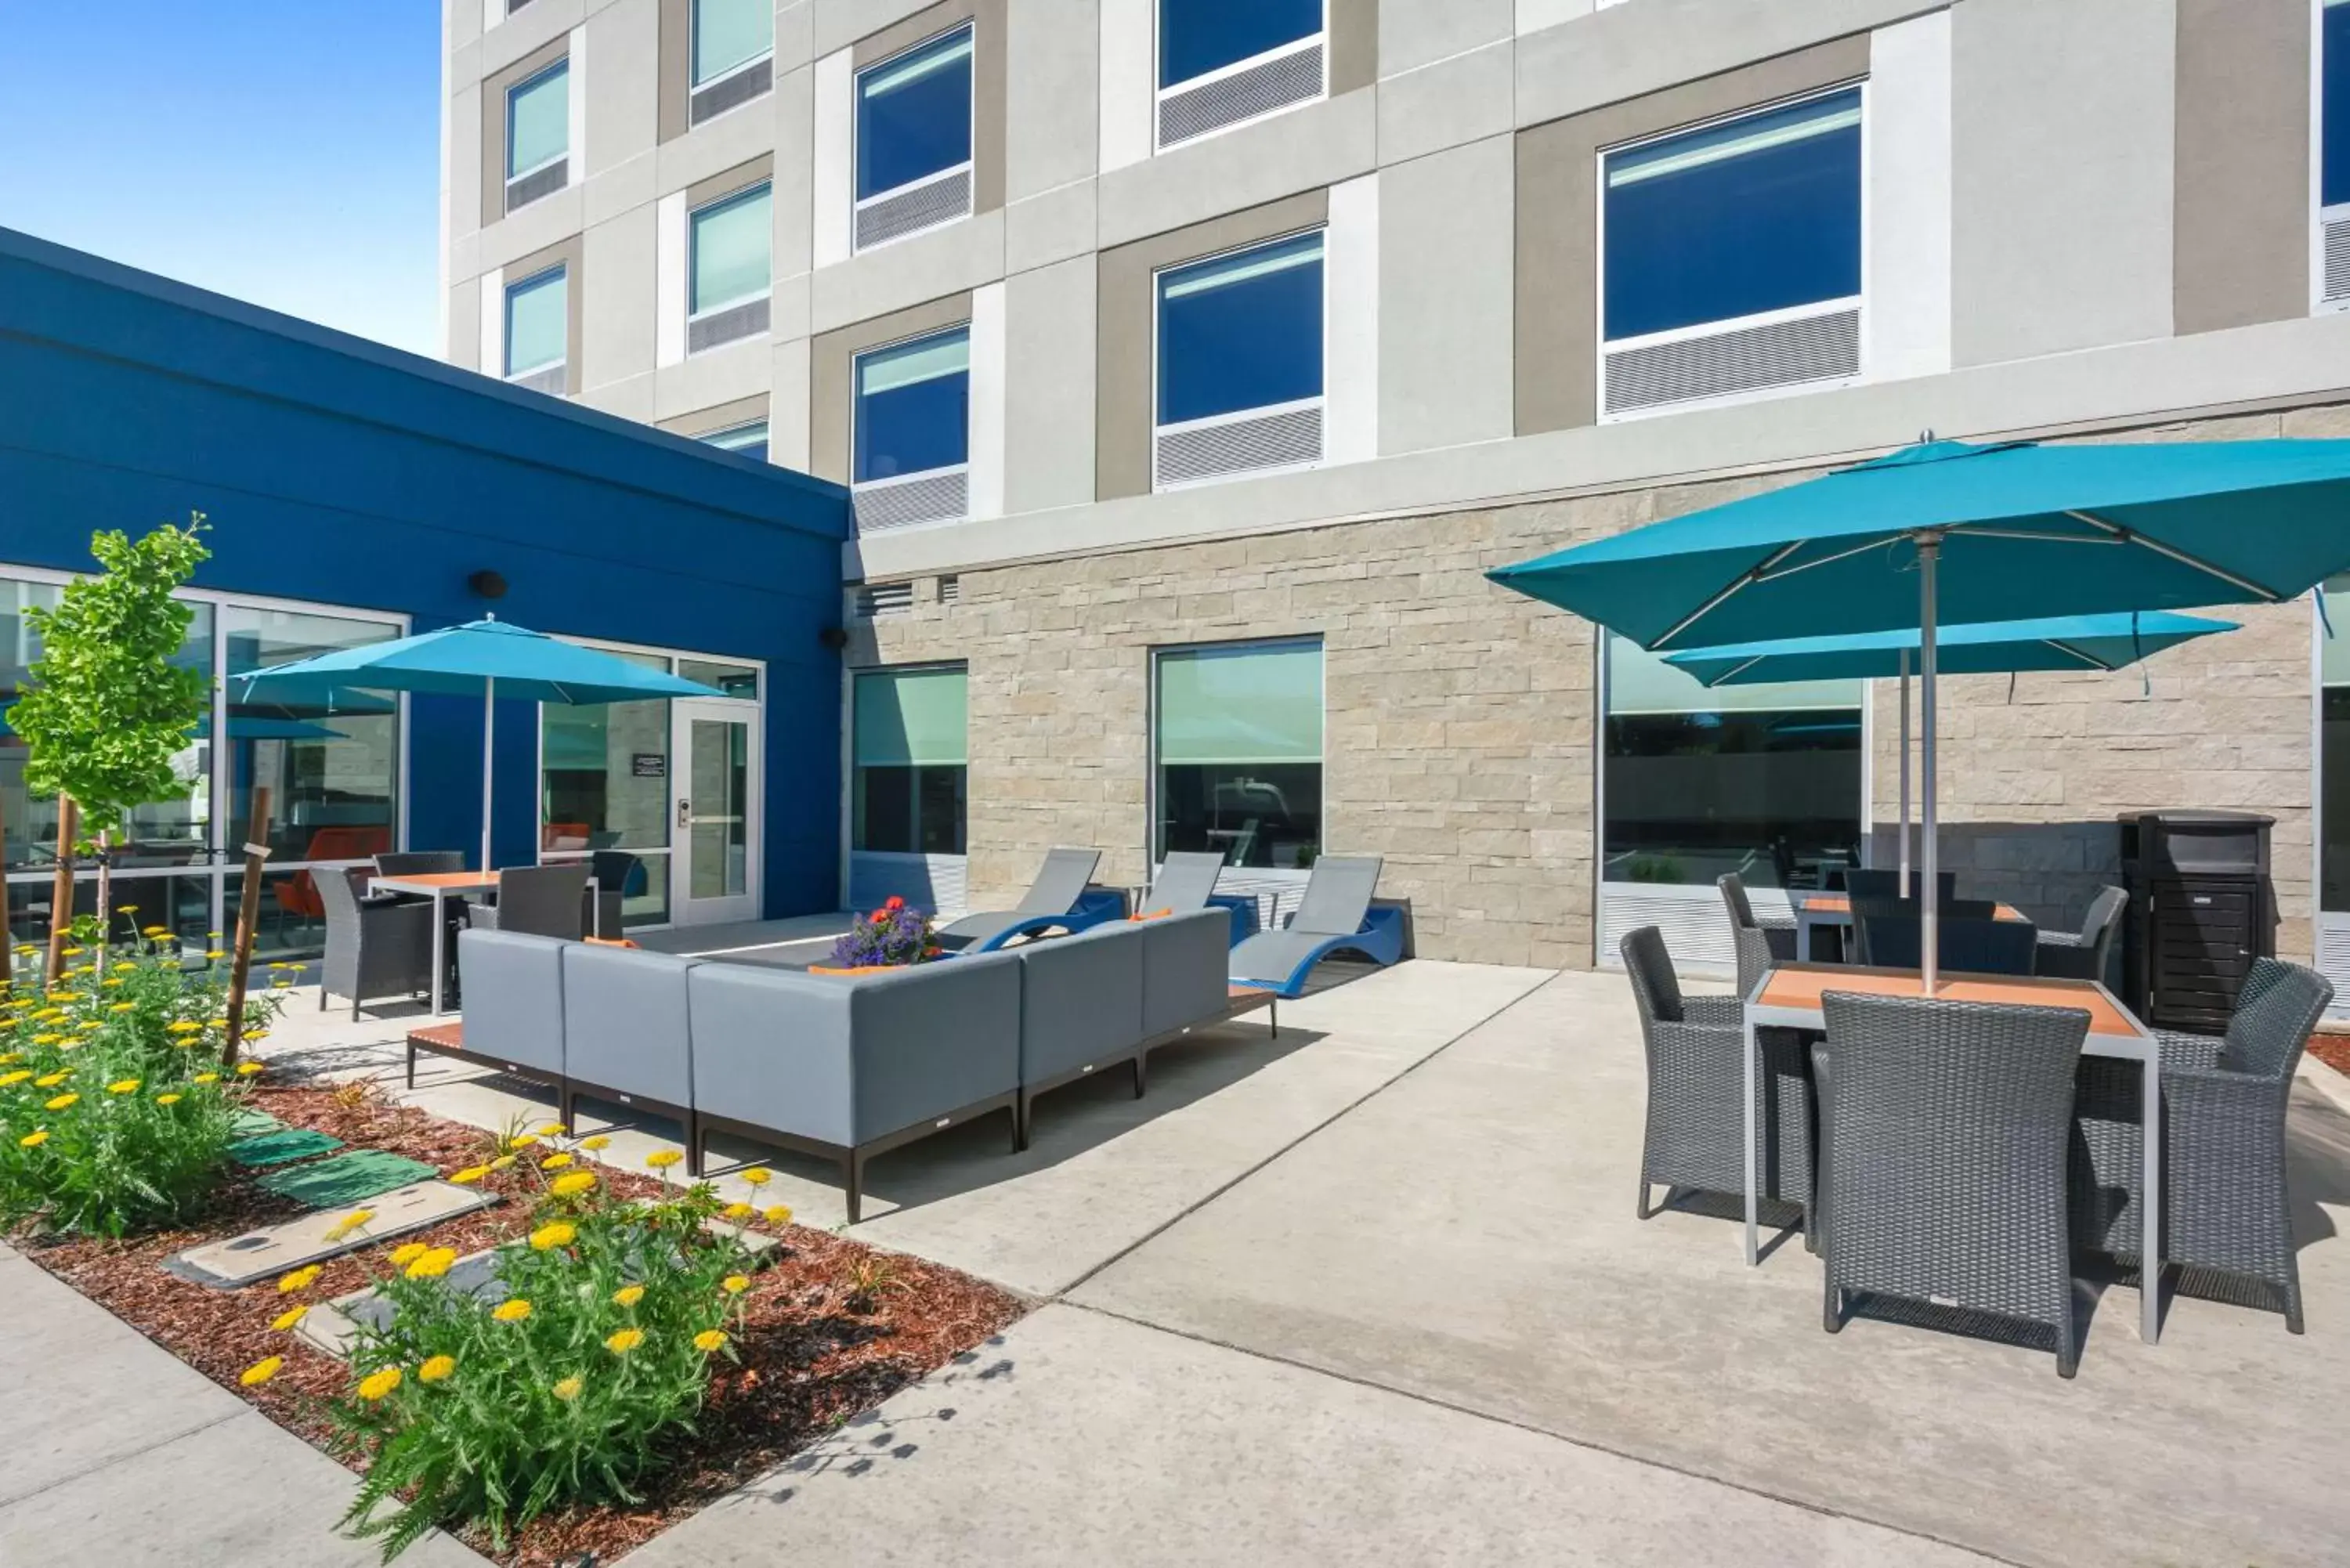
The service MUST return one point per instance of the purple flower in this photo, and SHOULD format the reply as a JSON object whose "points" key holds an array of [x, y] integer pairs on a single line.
{"points": [[886, 937]]}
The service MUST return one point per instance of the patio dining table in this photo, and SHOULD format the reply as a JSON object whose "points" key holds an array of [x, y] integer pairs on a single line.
{"points": [[441, 886], [1814, 910], [1788, 997]]}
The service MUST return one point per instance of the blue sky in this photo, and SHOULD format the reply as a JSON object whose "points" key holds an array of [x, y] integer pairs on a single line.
{"points": [[282, 151]]}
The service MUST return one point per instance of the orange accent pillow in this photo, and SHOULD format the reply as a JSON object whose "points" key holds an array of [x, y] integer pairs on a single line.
{"points": [[860, 969], [1153, 915], [610, 942]]}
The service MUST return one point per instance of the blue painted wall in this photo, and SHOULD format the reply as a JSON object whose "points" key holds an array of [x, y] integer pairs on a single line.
{"points": [[340, 472]]}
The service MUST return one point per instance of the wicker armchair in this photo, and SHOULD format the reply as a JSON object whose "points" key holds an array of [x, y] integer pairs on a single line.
{"points": [[1944, 1128], [538, 901], [376, 948], [1695, 1134], [1759, 943], [2085, 953]]}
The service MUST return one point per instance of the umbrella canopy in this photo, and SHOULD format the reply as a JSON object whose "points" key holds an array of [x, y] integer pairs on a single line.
{"points": [[2082, 642], [489, 658], [2023, 532]]}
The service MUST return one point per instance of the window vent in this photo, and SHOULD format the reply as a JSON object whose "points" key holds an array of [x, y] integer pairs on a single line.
{"points": [[514, 5], [2338, 261], [732, 91], [899, 503], [909, 211], [525, 189], [950, 590], [1744, 359], [1281, 439], [2333, 960], [547, 378], [745, 320], [1262, 89], [877, 600]]}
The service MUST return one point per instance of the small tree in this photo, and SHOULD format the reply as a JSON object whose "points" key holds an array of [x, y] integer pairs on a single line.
{"points": [[105, 709]]}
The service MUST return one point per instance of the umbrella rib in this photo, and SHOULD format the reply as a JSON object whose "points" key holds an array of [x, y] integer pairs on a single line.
{"points": [[1764, 573], [2090, 659], [2034, 537], [2131, 535], [1727, 676], [1752, 574]]}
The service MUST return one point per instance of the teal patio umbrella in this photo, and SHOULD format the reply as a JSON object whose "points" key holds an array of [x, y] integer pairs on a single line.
{"points": [[2062, 643], [486, 659], [1949, 531]]}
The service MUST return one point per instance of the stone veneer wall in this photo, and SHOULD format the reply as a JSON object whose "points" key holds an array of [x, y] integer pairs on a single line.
{"points": [[1459, 721]]}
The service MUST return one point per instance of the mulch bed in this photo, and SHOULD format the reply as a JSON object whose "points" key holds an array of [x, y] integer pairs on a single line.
{"points": [[2334, 1049], [809, 1360]]}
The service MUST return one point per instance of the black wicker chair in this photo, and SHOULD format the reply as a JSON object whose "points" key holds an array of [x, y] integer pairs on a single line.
{"points": [[1696, 1136], [1759, 943], [419, 862], [538, 901], [1943, 1129], [1876, 882], [375, 948], [613, 869], [2085, 953]]}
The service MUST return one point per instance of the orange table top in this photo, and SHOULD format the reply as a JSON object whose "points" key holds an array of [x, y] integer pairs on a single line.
{"points": [[1841, 904], [425, 881], [1799, 989]]}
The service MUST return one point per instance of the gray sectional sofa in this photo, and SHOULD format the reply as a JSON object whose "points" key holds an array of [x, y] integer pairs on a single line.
{"points": [[846, 1066]]}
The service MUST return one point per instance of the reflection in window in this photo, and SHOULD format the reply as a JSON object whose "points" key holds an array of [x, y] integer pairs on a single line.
{"points": [[750, 440], [538, 322], [332, 766], [604, 784], [913, 407], [908, 753], [538, 120], [1761, 780], [730, 241], [2333, 176], [913, 115], [1239, 753], [1757, 214], [2334, 762], [1196, 37], [729, 34], [1242, 331], [730, 680]]}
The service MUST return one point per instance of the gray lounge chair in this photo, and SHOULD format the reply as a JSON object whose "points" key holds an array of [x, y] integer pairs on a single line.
{"points": [[1049, 904], [1186, 880], [1331, 916]]}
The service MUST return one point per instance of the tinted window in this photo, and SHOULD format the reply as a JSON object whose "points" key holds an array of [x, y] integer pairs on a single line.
{"points": [[538, 322], [2335, 180], [1238, 745], [729, 32], [538, 120], [1196, 37], [1242, 331], [913, 115], [913, 407], [731, 243], [751, 440], [1758, 214]]}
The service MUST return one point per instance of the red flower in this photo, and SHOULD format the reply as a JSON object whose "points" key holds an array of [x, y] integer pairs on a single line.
{"points": [[894, 904], [879, 917]]}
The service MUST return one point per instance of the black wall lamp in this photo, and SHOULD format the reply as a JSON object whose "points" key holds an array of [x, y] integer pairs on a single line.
{"points": [[489, 584]]}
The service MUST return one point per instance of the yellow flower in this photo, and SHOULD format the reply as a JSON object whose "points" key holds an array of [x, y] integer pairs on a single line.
{"points": [[116, 981], [552, 1130], [261, 1371], [35, 1138], [663, 1159], [568, 1390], [206, 1079], [52, 1081], [253, 1035], [349, 1222], [781, 1214], [627, 1340], [503, 1161], [467, 1177], [126, 908], [758, 1176], [401, 1256], [122, 1006], [184, 1026], [167, 1099], [628, 1295], [738, 1211], [555, 1162], [708, 1341], [216, 954], [593, 1144], [156, 932], [377, 1385], [73, 952], [301, 1279], [522, 1140], [62, 1101], [433, 1264], [571, 1184], [547, 1237], [435, 1368], [735, 1284], [513, 1311], [10, 1080], [247, 1069], [288, 1318], [126, 967], [123, 1087]]}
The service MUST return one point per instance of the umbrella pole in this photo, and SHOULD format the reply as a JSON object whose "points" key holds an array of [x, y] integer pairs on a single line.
{"points": [[1905, 772], [489, 736], [1930, 549]]}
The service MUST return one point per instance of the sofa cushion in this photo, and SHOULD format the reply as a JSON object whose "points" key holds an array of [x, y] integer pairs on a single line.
{"points": [[1184, 978], [1080, 999], [514, 998], [625, 1024]]}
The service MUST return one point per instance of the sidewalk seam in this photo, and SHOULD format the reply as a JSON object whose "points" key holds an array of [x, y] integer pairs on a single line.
{"points": [[116, 1460]]}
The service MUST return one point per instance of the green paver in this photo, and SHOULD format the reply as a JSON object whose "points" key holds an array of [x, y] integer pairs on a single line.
{"points": [[285, 1144], [250, 1124], [346, 1179]]}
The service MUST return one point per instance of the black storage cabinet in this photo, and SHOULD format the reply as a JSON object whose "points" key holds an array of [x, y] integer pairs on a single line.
{"points": [[2202, 909]]}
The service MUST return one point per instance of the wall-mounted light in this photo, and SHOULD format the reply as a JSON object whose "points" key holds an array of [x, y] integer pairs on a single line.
{"points": [[835, 637], [489, 584]]}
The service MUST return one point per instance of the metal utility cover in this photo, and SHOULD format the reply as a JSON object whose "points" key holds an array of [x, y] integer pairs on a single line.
{"points": [[274, 1249]]}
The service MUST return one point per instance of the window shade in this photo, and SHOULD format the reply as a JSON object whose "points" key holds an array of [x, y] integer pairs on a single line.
{"points": [[538, 120], [1254, 704], [729, 32], [1639, 681], [730, 247], [911, 364], [538, 322], [1755, 133], [1196, 37], [913, 115], [2334, 633], [910, 718]]}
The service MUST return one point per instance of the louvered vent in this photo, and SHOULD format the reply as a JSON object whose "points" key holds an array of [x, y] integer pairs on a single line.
{"points": [[1695, 925], [2338, 261], [877, 601], [950, 590], [1745, 360], [745, 320], [934, 884], [514, 5], [548, 380], [1210, 452], [935, 499], [2333, 962], [1275, 84], [911, 211], [530, 187], [731, 92]]}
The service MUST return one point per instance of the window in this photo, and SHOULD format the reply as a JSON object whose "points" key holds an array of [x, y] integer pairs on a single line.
{"points": [[1238, 742], [2334, 752], [750, 440], [912, 431], [2333, 153], [730, 276], [604, 784], [1223, 62], [538, 135], [538, 329], [909, 762], [1732, 255], [914, 140], [332, 769], [732, 55], [1240, 361]]}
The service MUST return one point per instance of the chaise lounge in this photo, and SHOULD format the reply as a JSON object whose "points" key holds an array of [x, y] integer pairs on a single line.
{"points": [[1050, 904], [1334, 915]]}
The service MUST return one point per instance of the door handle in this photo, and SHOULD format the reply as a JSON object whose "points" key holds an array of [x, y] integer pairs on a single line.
{"points": [[684, 811]]}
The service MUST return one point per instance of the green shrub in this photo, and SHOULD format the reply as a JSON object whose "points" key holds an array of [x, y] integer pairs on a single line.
{"points": [[115, 1115], [568, 1391]]}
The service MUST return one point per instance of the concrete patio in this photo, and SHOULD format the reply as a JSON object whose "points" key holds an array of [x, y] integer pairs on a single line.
{"points": [[1374, 1293]]}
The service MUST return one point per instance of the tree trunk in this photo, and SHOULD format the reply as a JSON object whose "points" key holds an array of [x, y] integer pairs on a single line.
{"points": [[248, 917], [105, 889], [61, 888]]}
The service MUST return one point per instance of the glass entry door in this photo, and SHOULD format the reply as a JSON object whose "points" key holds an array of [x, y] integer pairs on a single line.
{"points": [[715, 794]]}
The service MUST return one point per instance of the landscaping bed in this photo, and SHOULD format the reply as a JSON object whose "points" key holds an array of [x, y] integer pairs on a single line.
{"points": [[811, 1349]]}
